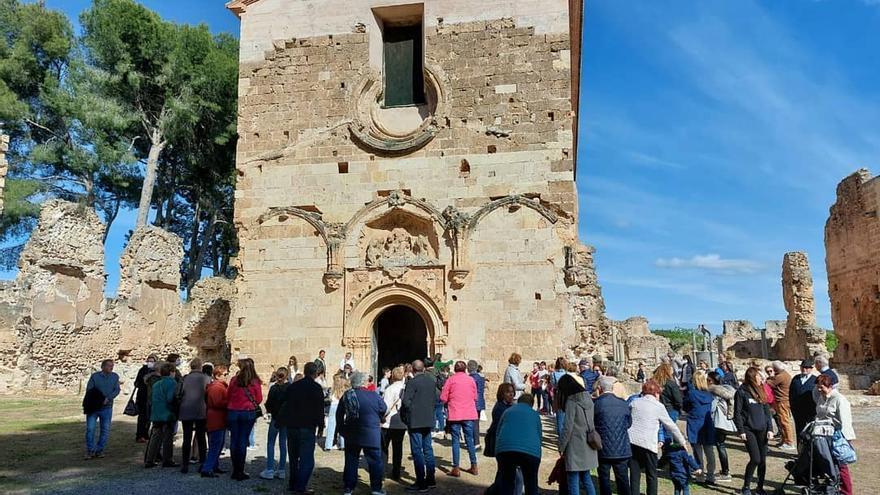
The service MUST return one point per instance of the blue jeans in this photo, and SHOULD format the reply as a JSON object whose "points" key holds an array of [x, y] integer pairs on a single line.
{"points": [[375, 466], [423, 456], [578, 478], [330, 432], [281, 433], [215, 446], [240, 423], [440, 417], [301, 447], [680, 489], [468, 427], [560, 422], [105, 414]]}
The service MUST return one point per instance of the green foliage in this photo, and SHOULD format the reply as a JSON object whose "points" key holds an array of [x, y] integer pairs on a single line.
{"points": [[84, 114], [678, 338], [831, 341]]}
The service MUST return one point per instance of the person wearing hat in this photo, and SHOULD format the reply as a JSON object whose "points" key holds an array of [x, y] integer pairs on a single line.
{"points": [[585, 370], [800, 397]]}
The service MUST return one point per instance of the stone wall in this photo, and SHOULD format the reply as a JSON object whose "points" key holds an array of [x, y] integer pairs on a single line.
{"points": [[852, 260], [56, 325], [639, 344], [469, 215], [803, 337]]}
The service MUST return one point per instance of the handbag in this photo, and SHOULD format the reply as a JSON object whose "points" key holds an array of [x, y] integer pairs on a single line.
{"points": [[131, 408], [489, 442], [842, 450], [719, 416], [594, 440], [258, 411]]}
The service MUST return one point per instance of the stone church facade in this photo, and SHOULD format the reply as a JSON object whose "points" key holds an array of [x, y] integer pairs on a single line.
{"points": [[406, 182]]}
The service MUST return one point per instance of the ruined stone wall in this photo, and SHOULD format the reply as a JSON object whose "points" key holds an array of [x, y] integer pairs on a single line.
{"points": [[852, 260], [803, 337], [56, 325], [473, 209]]}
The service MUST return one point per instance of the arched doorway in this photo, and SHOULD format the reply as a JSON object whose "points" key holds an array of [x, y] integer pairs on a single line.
{"points": [[401, 337]]}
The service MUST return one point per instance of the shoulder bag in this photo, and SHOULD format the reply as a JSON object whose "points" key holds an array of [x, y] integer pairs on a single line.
{"points": [[719, 416], [258, 411], [842, 450], [131, 408]]}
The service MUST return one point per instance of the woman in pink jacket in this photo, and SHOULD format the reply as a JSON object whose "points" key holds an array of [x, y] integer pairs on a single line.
{"points": [[460, 395]]}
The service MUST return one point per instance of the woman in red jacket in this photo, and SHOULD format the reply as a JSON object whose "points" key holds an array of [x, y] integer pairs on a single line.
{"points": [[245, 395], [215, 423]]}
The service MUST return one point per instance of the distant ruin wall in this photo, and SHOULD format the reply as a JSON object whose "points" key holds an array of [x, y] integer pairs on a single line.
{"points": [[852, 260], [56, 325], [803, 337]]}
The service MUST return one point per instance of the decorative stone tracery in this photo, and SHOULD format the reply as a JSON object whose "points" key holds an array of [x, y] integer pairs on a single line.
{"points": [[396, 243]]}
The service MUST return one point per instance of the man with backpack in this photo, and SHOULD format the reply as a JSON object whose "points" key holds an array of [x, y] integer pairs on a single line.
{"points": [[102, 388]]}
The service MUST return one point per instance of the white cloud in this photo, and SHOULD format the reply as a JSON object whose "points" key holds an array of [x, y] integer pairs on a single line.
{"points": [[712, 262], [693, 290]]}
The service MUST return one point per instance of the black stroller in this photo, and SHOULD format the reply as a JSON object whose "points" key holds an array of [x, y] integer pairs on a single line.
{"points": [[814, 470]]}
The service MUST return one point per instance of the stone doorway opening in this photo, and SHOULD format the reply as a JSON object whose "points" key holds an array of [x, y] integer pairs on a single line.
{"points": [[400, 336]]}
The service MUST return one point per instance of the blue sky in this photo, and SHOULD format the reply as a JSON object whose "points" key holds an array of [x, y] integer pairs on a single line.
{"points": [[712, 137]]}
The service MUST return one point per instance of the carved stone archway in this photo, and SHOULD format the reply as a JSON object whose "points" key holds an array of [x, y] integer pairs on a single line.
{"points": [[358, 334]]}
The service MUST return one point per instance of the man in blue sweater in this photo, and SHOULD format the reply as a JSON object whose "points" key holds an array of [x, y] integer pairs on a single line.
{"points": [[585, 369], [106, 382]]}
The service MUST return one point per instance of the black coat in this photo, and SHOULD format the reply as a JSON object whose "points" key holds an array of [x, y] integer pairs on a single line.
{"points": [[93, 401], [749, 414], [303, 405], [419, 398], [671, 396], [141, 386], [800, 398]]}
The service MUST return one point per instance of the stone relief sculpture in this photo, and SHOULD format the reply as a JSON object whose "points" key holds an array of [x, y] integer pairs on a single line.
{"points": [[399, 248]]}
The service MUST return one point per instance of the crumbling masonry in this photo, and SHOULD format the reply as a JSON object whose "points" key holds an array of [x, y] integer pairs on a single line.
{"points": [[852, 259], [56, 324]]}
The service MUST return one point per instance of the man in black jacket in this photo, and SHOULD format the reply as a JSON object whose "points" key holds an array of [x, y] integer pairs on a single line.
{"points": [[417, 412], [800, 397], [302, 413]]}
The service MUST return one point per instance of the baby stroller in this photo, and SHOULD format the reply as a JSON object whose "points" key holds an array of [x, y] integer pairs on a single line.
{"points": [[814, 469]]}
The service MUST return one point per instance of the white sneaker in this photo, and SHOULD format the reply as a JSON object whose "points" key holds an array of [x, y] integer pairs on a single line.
{"points": [[268, 474], [280, 474], [787, 446]]}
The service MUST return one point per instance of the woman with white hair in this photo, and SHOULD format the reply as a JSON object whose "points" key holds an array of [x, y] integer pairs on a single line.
{"points": [[359, 417]]}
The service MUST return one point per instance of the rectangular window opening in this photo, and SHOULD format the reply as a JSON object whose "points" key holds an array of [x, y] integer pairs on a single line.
{"points": [[403, 62]]}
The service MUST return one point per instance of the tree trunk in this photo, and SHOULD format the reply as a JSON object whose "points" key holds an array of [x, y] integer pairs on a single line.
{"points": [[157, 144], [200, 257], [111, 215]]}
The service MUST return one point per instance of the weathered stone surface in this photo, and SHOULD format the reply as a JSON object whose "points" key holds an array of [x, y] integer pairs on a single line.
{"points": [[803, 337], [639, 344], [56, 326], [741, 340], [852, 261], [463, 209]]}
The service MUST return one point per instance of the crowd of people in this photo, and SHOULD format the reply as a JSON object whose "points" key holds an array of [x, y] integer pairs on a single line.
{"points": [[599, 425]]}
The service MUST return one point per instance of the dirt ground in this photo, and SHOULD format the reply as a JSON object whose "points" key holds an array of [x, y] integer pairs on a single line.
{"points": [[42, 438]]}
